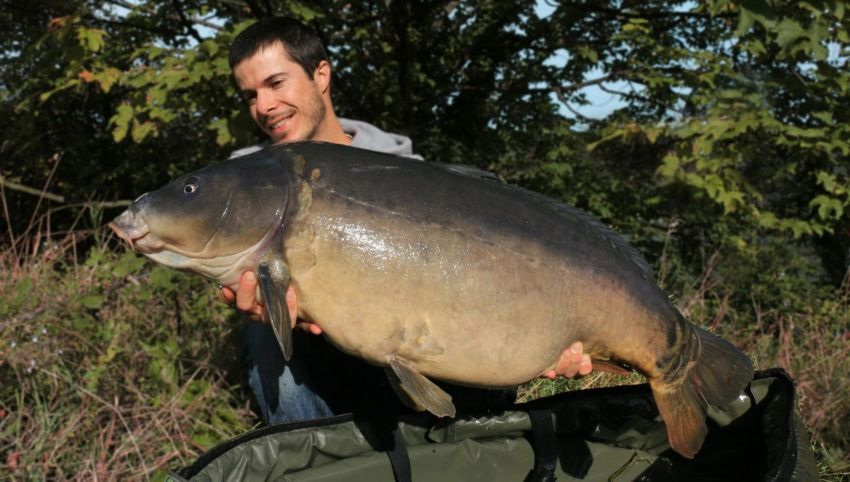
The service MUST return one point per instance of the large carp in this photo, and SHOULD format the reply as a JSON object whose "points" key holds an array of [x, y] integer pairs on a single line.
{"points": [[434, 271]]}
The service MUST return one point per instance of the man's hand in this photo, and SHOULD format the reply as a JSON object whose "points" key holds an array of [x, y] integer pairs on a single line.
{"points": [[246, 301], [244, 297], [571, 363]]}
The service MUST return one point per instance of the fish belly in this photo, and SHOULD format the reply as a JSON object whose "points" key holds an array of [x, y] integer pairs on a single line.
{"points": [[459, 306]]}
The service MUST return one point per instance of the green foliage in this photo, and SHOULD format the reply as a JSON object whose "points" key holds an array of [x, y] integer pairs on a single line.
{"points": [[103, 361]]}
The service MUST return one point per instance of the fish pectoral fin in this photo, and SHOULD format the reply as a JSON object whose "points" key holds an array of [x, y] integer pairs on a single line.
{"points": [[417, 391], [275, 298]]}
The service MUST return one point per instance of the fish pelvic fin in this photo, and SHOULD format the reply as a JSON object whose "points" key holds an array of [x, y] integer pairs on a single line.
{"points": [[416, 390], [609, 366], [274, 294], [716, 374]]}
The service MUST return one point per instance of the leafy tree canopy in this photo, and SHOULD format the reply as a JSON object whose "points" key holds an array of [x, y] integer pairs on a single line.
{"points": [[732, 128]]}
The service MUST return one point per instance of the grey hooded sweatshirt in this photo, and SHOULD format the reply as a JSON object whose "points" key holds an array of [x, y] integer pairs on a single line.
{"points": [[363, 135]]}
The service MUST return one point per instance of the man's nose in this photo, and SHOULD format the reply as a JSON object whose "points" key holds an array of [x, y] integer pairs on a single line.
{"points": [[265, 102]]}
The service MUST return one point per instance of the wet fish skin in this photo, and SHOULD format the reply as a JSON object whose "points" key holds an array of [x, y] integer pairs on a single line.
{"points": [[437, 271]]}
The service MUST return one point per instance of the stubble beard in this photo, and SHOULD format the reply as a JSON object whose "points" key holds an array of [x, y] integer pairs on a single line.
{"points": [[313, 116]]}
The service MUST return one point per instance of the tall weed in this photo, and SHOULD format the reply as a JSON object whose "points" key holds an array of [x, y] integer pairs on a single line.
{"points": [[111, 368]]}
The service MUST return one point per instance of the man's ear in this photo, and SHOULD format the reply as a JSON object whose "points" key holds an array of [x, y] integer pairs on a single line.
{"points": [[322, 76]]}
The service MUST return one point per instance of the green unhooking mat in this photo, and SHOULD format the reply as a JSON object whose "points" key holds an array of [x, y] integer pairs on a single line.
{"points": [[610, 434]]}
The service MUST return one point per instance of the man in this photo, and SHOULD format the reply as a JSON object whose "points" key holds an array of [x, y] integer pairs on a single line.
{"points": [[282, 71]]}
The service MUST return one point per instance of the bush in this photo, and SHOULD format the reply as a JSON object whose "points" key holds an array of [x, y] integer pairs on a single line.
{"points": [[112, 368]]}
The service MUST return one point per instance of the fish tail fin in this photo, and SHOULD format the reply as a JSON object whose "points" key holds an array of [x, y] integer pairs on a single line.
{"points": [[715, 373]]}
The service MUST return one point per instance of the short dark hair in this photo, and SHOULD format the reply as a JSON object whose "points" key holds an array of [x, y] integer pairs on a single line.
{"points": [[302, 44]]}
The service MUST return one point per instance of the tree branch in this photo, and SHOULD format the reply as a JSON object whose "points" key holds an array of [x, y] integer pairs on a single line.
{"points": [[647, 15], [598, 81], [186, 23], [30, 190], [130, 6]]}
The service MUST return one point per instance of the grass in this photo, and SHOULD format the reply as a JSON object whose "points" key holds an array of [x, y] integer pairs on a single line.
{"points": [[114, 369], [111, 368]]}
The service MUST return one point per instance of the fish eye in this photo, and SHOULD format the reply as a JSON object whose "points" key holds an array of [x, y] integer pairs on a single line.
{"points": [[190, 188]]}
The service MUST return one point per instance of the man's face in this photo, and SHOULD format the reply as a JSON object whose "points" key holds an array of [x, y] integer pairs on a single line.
{"points": [[283, 100]]}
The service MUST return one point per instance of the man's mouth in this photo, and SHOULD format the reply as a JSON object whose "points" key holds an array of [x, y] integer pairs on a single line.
{"points": [[279, 125]]}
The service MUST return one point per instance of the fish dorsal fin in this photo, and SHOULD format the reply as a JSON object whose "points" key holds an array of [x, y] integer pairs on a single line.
{"points": [[470, 171], [593, 224], [609, 235]]}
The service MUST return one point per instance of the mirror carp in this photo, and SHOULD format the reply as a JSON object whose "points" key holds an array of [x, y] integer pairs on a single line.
{"points": [[436, 271]]}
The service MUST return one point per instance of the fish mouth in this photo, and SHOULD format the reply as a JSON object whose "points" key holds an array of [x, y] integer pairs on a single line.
{"points": [[133, 229]]}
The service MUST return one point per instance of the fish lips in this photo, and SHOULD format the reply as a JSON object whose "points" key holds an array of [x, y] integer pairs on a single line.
{"points": [[131, 228]]}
